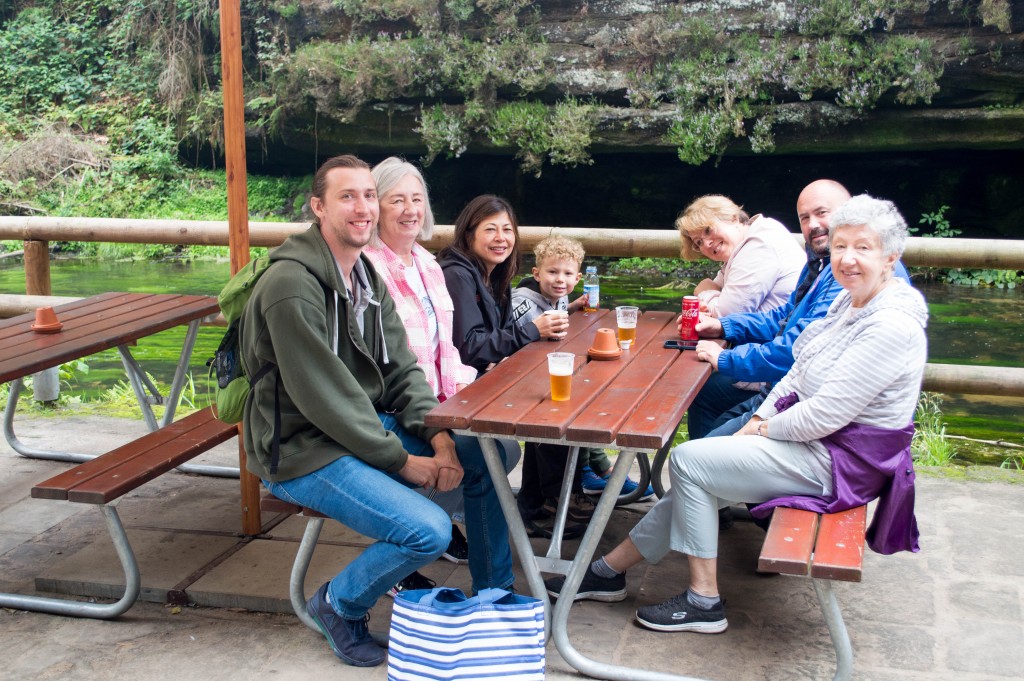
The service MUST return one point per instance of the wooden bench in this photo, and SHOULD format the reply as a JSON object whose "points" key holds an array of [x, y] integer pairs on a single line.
{"points": [[109, 476], [824, 547]]}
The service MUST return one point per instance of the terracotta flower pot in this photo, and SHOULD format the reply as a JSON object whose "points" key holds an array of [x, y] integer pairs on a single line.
{"points": [[605, 345], [46, 321]]}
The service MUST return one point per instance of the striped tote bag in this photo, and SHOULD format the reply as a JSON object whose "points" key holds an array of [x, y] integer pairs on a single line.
{"points": [[443, 634]]}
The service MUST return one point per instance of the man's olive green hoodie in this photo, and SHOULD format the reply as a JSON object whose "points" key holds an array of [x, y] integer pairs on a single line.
{"points": [[328, 400]]}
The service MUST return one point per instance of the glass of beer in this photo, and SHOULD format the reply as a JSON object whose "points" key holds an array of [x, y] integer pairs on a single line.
{"points": [[560, 365], [625, 318]]}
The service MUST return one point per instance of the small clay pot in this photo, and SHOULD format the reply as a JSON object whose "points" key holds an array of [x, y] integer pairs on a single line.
{"points": [[46, 321], [605, 345]]}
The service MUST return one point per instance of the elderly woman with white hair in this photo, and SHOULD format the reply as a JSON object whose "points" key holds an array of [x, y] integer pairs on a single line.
{"points": [[833, 434], [415, 282]]}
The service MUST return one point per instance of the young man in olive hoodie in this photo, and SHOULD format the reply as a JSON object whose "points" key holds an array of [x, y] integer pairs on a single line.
{"points": [[351, 442]]}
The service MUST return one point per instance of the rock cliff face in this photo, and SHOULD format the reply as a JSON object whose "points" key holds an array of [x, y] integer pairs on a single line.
{"points": [[557, 81]]}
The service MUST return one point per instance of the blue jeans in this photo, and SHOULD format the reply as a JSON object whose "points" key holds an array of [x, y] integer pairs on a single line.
{"points": [[732, 420], [714, 399], [411, 531]]}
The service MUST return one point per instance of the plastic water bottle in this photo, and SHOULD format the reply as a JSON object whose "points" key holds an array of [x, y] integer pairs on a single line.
{"points": [[592, 290]]}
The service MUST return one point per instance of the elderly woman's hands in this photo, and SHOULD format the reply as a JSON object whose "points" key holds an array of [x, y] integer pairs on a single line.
{"points": [[750, 427]]}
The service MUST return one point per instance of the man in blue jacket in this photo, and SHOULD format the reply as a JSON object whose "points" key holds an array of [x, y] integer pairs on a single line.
{"points": [[762, 342]]}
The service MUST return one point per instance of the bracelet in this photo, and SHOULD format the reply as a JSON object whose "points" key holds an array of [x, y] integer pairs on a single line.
{"points": [[451, 468], [759, 424]]}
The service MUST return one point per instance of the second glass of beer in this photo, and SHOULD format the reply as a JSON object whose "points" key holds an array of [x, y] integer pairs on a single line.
{"points": [[625, 318], [560, 366]]}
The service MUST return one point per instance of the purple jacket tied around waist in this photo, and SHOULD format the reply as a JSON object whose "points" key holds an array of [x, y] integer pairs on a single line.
{"points": [[868, 463]]}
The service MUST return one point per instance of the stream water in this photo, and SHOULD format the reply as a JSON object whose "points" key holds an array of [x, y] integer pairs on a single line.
{"points": [[978, 326]]}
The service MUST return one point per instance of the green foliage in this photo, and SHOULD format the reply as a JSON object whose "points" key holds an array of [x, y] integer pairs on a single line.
{"points": [[1015, 462], [930, 446], [997, 13], [939, 223], [978, 277], [725, 81], [49, 61], [561, 134], [443, 129]]}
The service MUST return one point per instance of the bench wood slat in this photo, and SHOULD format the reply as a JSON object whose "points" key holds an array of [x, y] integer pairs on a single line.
{"points": [[121, 470], [272, 504], [839, 551], [789, 544]]}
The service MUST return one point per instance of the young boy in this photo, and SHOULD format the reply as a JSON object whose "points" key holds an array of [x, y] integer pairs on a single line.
{"points": [[557, 271], [555, 275]]}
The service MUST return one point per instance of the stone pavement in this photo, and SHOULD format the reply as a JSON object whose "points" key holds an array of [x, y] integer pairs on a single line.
{"points": [[952, 611]]}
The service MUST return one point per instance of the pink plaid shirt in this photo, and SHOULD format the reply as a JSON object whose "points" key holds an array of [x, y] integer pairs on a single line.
{"points": [[392, 270]]}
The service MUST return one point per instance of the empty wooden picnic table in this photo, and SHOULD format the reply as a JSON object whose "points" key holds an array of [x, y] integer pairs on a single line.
{"points": [[632, 404], [89, 326], [94, 324]]}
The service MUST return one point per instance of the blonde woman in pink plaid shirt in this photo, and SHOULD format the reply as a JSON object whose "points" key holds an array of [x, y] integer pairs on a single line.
{"points": [[415, 282]]}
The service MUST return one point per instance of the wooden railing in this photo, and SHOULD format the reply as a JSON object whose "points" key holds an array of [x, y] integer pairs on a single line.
{"points": [[37, 232]]}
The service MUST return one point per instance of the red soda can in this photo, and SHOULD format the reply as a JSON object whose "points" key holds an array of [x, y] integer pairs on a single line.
{"points": [[691, 315]]}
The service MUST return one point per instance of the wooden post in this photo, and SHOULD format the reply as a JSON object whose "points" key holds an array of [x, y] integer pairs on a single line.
{"points": [[46, 383], [37, 268], [238, 205]]}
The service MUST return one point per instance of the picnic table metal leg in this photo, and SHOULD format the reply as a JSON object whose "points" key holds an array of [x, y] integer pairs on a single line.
{"points": [[584, 555], [140, 382], [57, 606], [516, 529], [836, 628], [561, 514], [296, 585], [20, 447]]}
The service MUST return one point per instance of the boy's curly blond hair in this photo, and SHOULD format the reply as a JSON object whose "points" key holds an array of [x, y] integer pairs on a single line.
{"points": [[559, 248]]}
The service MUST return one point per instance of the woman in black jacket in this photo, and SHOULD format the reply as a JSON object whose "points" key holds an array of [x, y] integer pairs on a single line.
{"points": [[478, 270]]}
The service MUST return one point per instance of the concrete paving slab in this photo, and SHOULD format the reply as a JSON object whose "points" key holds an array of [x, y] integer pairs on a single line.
{"points": [[256, 577], [166, 559]]}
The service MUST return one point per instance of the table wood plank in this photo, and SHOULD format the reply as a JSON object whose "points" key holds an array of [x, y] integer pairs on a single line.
{"points": [[659, 413]]}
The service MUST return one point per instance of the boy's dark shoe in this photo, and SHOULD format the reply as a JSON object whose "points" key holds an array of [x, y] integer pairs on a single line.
{"points": [[581, 508], [458, 548], [411, 583], [350, 639], [541, 528]]}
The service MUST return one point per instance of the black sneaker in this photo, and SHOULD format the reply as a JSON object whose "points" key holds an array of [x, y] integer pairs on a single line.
{"points": [[593, 587], [350, 639], [679, 614], [411, 583], [458, 548]]}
